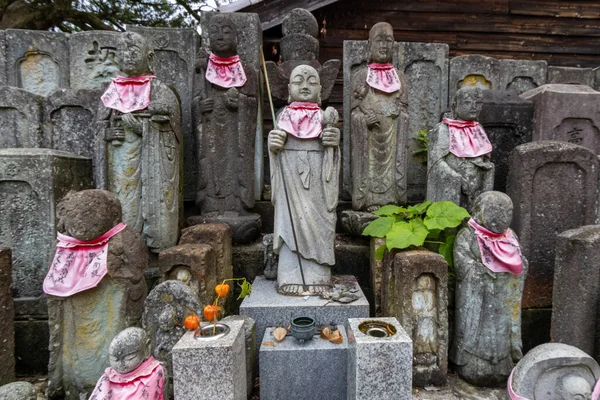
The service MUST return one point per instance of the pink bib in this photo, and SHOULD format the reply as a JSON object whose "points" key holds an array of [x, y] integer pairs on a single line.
{"points": [[500, 252], [225, 72], [145, 382], [128, 94], [511, 392], [383, 77], [303, 120], [467, 138], [78, 265], [596, 392]]}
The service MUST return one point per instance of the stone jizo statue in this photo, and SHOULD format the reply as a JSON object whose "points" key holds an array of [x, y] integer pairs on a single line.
{"points": [[379, 126], [490, 274], [425, 321], [138, 152], [458, 164], [305, 148], [133, 372]]}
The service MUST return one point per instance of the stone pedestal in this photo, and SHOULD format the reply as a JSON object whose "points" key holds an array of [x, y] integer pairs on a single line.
{"points": [[244, 228], [7, 314], [379, 367], [211, 368], [314, 369], [271, 309]]}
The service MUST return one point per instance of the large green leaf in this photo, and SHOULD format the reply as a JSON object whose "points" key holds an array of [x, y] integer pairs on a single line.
{"points": [[421, 207], [406, 234], [379, 227], [444, 214], [446, 250], [389, 210]]}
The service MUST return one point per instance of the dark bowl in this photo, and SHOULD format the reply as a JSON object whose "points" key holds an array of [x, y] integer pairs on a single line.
{"points": [[303, 328]]}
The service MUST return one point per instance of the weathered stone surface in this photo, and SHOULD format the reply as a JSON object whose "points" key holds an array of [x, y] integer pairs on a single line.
{"points": [[3, 57], [567, 113], [20, 118], [192, 264], [555, 371], [457, 389], [508, 122], [554, 187], [314, 369], [18, 391], [221, 362], [37, 61], [270, 258], [491, 73], [218, 236], [535, 327], [376, 267], [576, 296], [379, 367], [32, 182], [69, 117], [83, 325], [248, 260], [174, 58], [244, 228], [165, 310], [31, 334], [571, 76], [93, 59], [355, 222], [250, 337], [487, 331], [7, 315], [415, 291]]}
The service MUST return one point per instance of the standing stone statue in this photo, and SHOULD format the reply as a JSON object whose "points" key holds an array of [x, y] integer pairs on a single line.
{"points": [[458, 165], [138, 153], [305, 149], [95, 287], [490, 273], [133, 372], [228, 105], [379, 126], [425, 331]]}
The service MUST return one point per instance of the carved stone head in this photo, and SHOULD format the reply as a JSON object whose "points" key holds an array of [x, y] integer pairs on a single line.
{"points": [[493, 210], [88, 214], [381, 43], [467, 103], [305, 85], [222, 35], [572, 387], [425, 282], [129, 349], [135, 55]]}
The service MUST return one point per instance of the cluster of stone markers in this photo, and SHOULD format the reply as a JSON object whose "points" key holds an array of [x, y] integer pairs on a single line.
{"points": [[515, 142]]}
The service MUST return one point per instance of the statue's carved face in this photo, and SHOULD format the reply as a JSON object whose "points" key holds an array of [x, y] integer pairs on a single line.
{"points": [[222, 37], [133, 56], [381, 43], [573, 387], [305, 84], [493, 211], [468, 104], [128, 350]]}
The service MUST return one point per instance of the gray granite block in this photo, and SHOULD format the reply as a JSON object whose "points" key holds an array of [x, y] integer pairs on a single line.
{"points": [[379, 367], [211, 368], [314, 369], [571, 76], [93, 59], [270, 309]]}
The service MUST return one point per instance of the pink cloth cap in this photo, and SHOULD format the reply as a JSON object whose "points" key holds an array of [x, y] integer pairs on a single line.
{"points": [[128, 94], [145, 382], [303, 120], [225, 72], [500, 252], [383, 77], [467, 138]]}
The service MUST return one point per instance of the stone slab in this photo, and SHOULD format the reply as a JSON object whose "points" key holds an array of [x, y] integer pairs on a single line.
{"points": [[20, 119], [508, 122], [250, 340], [37, 61], [7, 314], [219, 363], [571, 75], [379, 367], [244, 228], [576, 294], [271, 309], [314, 369], [554, 187], [93, 59]]}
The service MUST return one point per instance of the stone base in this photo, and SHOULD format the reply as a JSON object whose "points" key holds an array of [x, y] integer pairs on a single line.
{"points": [[315, 369], [379, 367], [355, 222], [244, 228], [271, 309]]}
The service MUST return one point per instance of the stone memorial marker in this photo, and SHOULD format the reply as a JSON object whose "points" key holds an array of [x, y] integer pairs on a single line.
{"points": [[7, 315], [69, 117], [554, 188], [566, 113], [554, 371], [250, 336], [138, 154], [37, 61], [490, 272], [508, 122], [94, 61], [20, 119], [575, 297], [175, 52], [415, 291], [571, 76]]}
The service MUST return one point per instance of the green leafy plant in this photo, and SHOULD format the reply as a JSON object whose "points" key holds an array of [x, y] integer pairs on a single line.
{"points": [[423, 223], [423, 142]]}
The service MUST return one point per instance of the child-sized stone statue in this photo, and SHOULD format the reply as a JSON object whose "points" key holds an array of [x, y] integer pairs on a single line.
{"points": [[133, 372], [490, 273]]}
